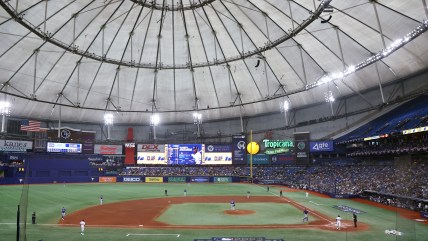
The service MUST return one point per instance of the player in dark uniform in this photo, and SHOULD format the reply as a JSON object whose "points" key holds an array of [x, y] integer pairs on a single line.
{"points": [[63, 210], [166, 192], [33, 218], [280, 193], [354, 216], [305, 215]]}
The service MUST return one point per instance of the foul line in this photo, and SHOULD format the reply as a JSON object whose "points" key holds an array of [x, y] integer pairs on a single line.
{"points": [[153, 234], [298, 204]]}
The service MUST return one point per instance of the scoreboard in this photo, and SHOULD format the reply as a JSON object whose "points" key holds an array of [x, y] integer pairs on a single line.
{"points": [[64, 147]]}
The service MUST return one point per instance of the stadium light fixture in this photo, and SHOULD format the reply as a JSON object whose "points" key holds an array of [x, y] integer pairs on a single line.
{"points": [[154, 120], [108, 119], [197, 118], [5, 108], [329, 98]]}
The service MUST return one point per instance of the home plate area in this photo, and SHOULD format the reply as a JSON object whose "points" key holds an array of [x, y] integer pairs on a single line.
{"points": [[239, 239]]}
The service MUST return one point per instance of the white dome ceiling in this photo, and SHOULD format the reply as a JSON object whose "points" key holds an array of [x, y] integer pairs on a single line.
{"points": [[173, 57]]}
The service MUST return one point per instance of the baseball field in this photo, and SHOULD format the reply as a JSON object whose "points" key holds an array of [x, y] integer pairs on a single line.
{"points": [[132, 211]]}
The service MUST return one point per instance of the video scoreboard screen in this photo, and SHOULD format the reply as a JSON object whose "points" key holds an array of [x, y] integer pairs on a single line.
{"points": [[64, 147]]}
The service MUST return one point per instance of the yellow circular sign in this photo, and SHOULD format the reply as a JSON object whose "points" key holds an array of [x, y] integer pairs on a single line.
{"points": [[253, 147]]}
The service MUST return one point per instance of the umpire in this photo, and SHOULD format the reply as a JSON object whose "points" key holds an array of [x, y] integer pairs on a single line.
{"points": [[354, 216], [33, 218]]}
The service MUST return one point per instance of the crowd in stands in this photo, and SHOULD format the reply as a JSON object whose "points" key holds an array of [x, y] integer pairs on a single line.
{"points": [[386, 182], [391, 149]]}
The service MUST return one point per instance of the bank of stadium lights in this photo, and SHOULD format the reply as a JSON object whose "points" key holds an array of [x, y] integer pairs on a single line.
{"points": [[154, 120], [380, 55], [284, 107], [197, 118], [329, 98], [108, 119], [5, 107]]}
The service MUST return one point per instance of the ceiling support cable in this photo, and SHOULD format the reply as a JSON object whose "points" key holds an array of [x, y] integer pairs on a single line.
{"points": [[291, 15], [302, 62], [33, 95], [23, 11], [206, 57], [379, 25], [380, 83], [424, 2], [46, 14], [123, 54], [141, 57], [174, 74]]}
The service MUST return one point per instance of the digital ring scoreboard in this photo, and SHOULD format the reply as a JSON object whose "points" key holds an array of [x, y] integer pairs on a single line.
{"points": [[64, 147]]}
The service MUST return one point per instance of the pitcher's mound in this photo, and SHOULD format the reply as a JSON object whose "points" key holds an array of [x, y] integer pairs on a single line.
{"points": [[239, 212]]}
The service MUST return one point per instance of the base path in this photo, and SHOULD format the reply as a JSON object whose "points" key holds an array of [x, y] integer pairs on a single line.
{"points": [[144, 212]]}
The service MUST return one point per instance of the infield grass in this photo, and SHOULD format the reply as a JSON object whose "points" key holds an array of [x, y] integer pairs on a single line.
{"points": [[47, 201]]}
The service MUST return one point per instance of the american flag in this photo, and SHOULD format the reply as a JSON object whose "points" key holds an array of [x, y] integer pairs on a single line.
{"points": [[30, 125]]}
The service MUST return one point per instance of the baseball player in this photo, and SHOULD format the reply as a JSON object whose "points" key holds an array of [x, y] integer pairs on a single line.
{"points": [[232, 205], [305, 215], [101, 200], [307, 195], [338, 222], [355, 218], [280, 193], [63, 210], [197, 156], [248, 194], [166, 192], [185, 192], [82, 227]]}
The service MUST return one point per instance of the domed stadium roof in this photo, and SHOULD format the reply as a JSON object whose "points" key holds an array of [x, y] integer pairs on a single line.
{"points": [[219, 57]]}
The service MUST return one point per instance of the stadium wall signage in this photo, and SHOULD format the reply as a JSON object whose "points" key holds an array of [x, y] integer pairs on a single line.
{"points": [[154, 179], [222, 179], [131, 179], [199, 179], [12, 145], [108, 149], [321, 146], [176, 179], [273, 147], [107, 179]]}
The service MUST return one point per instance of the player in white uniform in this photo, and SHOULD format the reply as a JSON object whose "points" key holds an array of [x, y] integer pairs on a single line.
{"points": [[232, 205], [82, 227], [307, 195], [338, 222], [197, 156], [101, 200]]}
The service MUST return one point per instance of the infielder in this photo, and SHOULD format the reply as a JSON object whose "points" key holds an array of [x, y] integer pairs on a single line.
{"points": [[248, 194], [63, 210], [101, 200], [185, 192], [232, 205], [305, 215], [307, 195], [338, 222], [82, 227]]}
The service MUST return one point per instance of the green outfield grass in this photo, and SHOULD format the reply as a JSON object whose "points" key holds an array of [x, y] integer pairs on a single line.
{"points": [[47, 201]]}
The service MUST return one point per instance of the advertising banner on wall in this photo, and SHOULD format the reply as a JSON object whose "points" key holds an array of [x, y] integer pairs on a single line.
{"points": [[151, 154], [108, 149], [282, 159], [239, 152], [301, 147], [12, 145], [185, 154], [218, 155], [199, 179], [154, 179], [222, 179], [259, 159], [321, 146], [107, 179], [131, 179], [176, 179]]}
